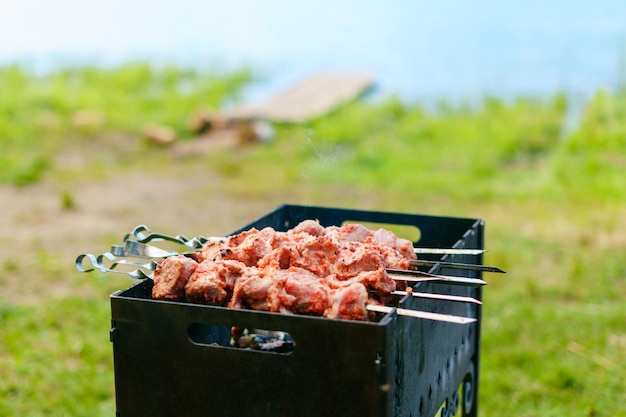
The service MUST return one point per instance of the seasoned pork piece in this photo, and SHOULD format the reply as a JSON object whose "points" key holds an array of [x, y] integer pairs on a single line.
{"points": [[393, 259], [171, 276], [250, 251], [349, 232], [396, 252], [294, 290], [213, 281], [311, 227], [252, 247], [280, 257], [377, 281], [213, 251], [356, 257], [283, 248], [303, 292], [403, 246], [235, 240], [348, 303], [317, 255], [257, 290]]}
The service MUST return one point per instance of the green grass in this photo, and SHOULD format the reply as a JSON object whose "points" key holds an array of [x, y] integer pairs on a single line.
{"points": [[56, 359], [38, 114], [554, 201]]}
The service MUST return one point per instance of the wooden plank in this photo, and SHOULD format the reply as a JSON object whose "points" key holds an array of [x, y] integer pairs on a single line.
{"points": [[312, 98]]}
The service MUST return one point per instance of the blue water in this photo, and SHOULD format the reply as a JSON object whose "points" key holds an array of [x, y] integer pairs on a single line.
{"points": [[417, 49]]}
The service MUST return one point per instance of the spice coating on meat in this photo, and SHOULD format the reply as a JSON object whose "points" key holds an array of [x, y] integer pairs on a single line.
{"points": [[332, 272], [250, 250], [257, 290], [212, 251], [349, 232], [212, 282], [304, 293], [390, 240], [349, 303], [171, 276], [356, 257], [317, 255], [377, 281], [310, 227]]}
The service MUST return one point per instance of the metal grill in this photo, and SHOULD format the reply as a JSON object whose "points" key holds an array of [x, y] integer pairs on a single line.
{"points": [[175, 358]]}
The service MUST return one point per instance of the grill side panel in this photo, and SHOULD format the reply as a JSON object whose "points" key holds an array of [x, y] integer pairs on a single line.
{"points": [[437, 368], [336, 367]]}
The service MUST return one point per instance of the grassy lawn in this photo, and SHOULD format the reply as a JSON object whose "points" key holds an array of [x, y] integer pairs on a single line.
{"points": [[554, 202]]}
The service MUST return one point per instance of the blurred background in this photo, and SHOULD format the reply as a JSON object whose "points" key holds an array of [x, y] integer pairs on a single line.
{"points": [[416, 49], [112, 115]]}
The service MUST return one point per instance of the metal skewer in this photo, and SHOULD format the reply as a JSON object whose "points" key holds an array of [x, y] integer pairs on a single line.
{"points": [[144, 250], [143, 271], [437, 251], [458, 265], [141, 250], [443, 297], [421, 314], [139, 273], [418, 276], [142, 234]]}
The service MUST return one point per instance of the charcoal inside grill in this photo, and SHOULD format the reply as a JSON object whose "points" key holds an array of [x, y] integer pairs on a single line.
{"points": [[241, 338], [205, 334], [279, 342]]}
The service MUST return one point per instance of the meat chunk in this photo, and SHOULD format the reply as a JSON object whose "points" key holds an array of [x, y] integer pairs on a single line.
{"points": [[250, 250], [171, 276], [356, 257], [213, 251], [348, 303], [349, 232], [317, 255], [258, 290], [212, 282], [303, 292], [389, 239], [284, 248], [311, 227]]}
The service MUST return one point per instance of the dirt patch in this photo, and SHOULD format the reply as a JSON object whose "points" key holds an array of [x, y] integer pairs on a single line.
{"points": [[42, 233], [100, 193]]}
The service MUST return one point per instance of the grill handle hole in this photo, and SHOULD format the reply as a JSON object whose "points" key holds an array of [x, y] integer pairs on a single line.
{"points": [[233, 337]]}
